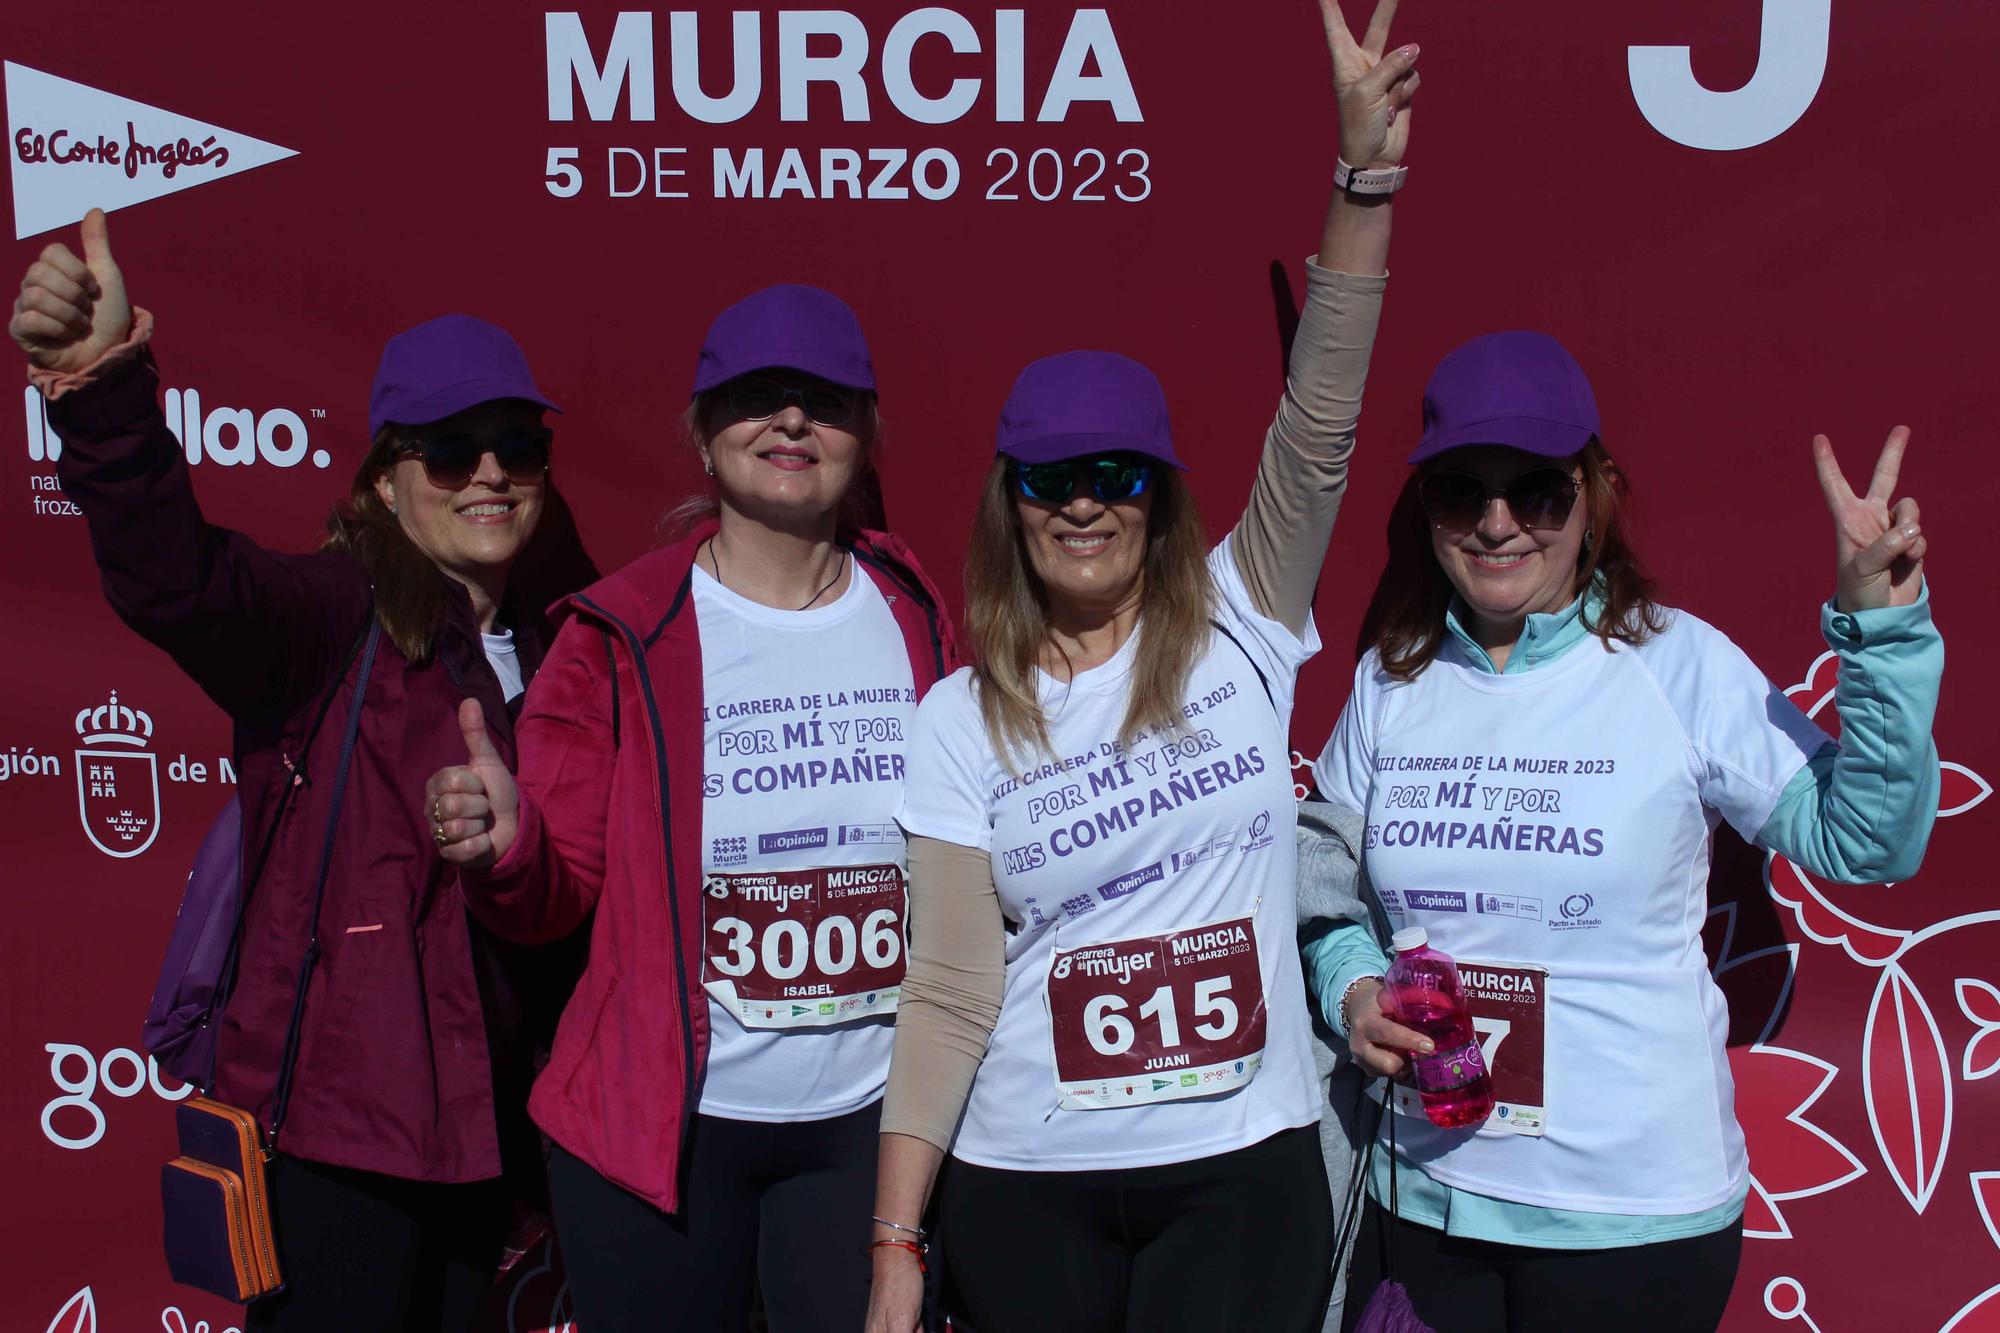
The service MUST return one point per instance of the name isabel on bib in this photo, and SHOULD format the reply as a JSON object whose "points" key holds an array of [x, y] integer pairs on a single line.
{"points": [[805, 948]]}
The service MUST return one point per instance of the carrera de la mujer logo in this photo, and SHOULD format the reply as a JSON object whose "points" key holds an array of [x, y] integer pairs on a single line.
{"points": [[117, 779]]}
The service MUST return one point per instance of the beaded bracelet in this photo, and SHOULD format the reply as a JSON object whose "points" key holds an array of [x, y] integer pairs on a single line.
{"points": [[910, 1245]]}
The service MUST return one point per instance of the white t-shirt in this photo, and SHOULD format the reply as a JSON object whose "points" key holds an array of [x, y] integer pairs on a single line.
{"points": [[505, 661], [1561, 818], [805, 719], [1177, 832]]}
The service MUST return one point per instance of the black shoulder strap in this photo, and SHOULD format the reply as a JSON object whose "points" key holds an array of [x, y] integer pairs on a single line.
{"points": [[282, 1097], [295, 778], [297, 767], [1261, 678], [611, 673]]}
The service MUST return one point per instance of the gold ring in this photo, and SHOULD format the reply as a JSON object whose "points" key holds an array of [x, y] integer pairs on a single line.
{"points": [[437, 810], [438, 833]]}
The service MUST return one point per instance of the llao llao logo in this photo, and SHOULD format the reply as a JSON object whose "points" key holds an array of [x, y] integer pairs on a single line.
{"points": [[117, 779]]}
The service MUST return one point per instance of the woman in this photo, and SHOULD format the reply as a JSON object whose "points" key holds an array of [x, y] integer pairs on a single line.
{"points": [[1104, 801], [1542, 752], [389, 1208], [710, 767]]}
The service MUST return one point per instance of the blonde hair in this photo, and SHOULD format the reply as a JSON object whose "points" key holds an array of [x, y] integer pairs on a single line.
{"points": [[1007, 616]]}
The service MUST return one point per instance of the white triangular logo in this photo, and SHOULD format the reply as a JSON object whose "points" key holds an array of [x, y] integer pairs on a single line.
{"points": [[75, 148]]}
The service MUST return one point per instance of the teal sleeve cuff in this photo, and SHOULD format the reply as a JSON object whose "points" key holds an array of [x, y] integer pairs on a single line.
{"points": [[1860, 812], [1335, 960]]}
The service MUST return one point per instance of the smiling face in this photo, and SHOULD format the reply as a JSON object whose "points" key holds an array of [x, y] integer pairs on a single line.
{"points": [[786, 470], [1089, 554], [1504, 570], [476, 533]]}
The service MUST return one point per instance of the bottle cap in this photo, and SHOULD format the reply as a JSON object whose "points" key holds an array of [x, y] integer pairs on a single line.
{"points": [[1408, 938]]}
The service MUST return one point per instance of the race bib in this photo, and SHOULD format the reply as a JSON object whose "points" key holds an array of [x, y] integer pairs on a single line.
{"points": [[805, 948], [1509, 1004], [1157, 1018]]}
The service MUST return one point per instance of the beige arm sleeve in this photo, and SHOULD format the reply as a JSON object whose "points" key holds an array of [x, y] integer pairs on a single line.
{"points": [[951, 992], [1281, 542]]}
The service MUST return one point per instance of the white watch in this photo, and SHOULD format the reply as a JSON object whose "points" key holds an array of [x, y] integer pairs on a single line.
{"points": [[1368, 181]]}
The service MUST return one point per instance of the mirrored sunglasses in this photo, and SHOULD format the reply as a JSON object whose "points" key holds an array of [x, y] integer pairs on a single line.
{"points": [[1111, 477]]}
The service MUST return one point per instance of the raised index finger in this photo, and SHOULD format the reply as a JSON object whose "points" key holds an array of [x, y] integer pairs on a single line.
{"points": [[1882, 486], [1376, 40], [1832, 482], [1337, 35]]}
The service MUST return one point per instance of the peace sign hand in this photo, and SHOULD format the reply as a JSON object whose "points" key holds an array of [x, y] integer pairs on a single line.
{"points": [[1878, 547], [1373, 89]]}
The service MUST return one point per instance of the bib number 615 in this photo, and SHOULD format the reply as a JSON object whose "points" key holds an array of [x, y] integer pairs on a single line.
{"points": [[1111, 1033]]}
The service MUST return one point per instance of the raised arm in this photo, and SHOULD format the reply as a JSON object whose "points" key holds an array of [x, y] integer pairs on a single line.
{"points": [[255, 629], [1281, 541], [1861, 811]]}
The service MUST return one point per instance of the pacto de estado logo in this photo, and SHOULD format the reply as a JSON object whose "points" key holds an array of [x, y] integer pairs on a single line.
{"points": [[931, 66], [73, 148]]}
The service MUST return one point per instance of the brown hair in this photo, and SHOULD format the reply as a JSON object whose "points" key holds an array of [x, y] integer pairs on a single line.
{"points": [[1405, 618], [860, 507], [409, 587], [1007, 615]]}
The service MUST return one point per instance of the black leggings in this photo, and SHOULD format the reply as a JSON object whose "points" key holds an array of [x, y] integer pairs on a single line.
{"points": [[784, 1205], [361, 1250], [1243, 1240], [1477, 1286]]}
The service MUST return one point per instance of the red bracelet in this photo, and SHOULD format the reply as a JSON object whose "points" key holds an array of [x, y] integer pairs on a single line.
{"points": [[909, 1245]]}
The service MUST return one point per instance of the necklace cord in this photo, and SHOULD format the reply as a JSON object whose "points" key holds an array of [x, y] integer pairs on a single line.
{"points": [[715, 563]]}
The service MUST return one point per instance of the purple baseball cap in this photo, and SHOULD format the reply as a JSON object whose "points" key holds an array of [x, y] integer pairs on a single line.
{"points": [[1517, 388], [801, 328], [1078, 403], [444, 366]]}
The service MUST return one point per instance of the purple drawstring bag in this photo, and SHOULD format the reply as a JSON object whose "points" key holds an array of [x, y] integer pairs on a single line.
{"points": [[1389, 1309], [180, 1023], [200, 966]]}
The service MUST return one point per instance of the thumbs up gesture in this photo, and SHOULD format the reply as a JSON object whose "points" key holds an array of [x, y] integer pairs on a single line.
{"points": [[474, 807], [71, 311]]}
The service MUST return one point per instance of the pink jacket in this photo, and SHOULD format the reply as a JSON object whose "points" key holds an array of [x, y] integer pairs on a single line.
{"points": [[611, 760]]}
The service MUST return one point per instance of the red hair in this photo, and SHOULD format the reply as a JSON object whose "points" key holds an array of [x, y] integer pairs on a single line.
{"points": [[1404, 622]]}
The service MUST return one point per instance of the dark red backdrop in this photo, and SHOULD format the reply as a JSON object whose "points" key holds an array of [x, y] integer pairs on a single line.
{"points": [[1728, 301]]}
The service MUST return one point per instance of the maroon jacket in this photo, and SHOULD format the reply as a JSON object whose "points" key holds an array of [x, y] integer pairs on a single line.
{"points": [[611, 807], [399, 1054]]}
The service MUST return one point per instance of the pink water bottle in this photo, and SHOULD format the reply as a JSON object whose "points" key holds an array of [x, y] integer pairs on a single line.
{"points": [[1424, 992]]}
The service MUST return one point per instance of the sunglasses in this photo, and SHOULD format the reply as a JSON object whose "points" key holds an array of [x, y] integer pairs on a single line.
{"points": [[1111, 477], [757, 398], [1538, 500], [450, 459]]}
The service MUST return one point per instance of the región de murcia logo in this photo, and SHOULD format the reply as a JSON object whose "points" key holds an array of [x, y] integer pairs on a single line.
{"points": [[117, 779]]}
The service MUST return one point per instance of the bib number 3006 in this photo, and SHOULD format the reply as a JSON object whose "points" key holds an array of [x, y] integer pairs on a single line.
{"points": [[1157, 1018], [805, 948]]}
